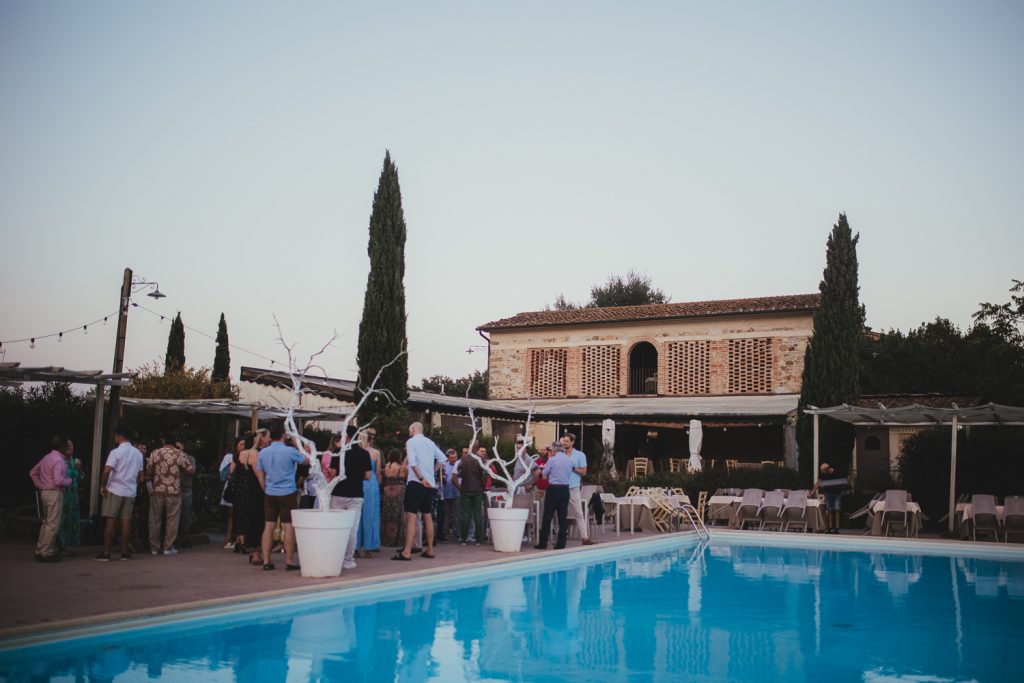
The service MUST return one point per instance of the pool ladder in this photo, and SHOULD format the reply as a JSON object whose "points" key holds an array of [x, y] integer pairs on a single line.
{"points": [[690, 513]]}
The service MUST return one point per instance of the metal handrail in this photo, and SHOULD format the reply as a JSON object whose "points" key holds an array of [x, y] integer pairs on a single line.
{"points": [[695, 521]]}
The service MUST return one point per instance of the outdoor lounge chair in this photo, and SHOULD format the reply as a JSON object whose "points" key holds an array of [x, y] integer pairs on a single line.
{"points": [[795, 511], [895, 512], [750, 507], [1013, 517], [771, 510], [983, 512]]}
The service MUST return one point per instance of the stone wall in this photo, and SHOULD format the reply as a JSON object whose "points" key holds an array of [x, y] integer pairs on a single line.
{"points": [[693, 357]]}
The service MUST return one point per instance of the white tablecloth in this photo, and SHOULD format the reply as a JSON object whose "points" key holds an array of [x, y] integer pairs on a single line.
{"points": [[876, 509], [724, 508]]}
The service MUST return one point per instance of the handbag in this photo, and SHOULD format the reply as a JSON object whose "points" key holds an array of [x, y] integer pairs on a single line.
{"points": [[228, 495]]}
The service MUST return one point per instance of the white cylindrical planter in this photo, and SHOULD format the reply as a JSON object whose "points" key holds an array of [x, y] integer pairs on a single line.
{"points": [[507, 527], [322, 538]]}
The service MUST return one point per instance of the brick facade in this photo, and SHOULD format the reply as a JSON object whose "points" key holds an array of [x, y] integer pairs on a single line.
{"points": [[743, 354]]}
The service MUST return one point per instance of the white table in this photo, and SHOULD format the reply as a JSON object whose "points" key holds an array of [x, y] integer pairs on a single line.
{"points": [[646, 503], [964, 513], [876, 509], [727, 507]]}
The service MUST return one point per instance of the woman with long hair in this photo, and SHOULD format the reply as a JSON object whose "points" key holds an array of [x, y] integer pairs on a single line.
{"points": [[392, 498], [249, 498], [368, 539]]}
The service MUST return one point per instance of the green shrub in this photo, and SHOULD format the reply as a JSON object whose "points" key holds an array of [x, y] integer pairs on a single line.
{"points": [[989, 460]]}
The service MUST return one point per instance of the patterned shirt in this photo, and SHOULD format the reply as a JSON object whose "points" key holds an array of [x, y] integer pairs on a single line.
{"points": [[164, 468]]}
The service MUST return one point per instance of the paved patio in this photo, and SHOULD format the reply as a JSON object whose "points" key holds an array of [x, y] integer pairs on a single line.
{"points": [[80, 590]]}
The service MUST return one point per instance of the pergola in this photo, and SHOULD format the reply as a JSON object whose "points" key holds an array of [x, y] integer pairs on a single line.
{"points": [[13, 374], [990, 415]]}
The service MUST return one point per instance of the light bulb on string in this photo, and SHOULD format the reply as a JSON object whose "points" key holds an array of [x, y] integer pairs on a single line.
{"points": [[32, 343], [85, 329], [104, 322], [60, 337]]}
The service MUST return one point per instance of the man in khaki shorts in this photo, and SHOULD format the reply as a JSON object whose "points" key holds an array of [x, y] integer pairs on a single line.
{"points": [[118, 486]]}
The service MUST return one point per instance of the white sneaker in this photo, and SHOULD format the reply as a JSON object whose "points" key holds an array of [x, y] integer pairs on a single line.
{"points": [[171, 551], [154, 552], [348, 564]]}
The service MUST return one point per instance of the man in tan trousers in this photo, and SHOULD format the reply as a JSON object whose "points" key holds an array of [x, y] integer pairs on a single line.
{"points": [[50, 475], [164, 471]]}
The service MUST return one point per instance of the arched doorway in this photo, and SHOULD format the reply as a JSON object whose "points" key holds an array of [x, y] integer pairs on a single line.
{"points": [[643, 369]]}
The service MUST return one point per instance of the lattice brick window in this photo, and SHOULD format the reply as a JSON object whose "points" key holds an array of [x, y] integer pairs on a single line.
{"points": [[750, 366], [600, 371], [689, 367], [547, 373]]}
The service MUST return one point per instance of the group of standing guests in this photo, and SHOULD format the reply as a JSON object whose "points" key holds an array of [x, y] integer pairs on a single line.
{"points": [[167, 476], [266, 479]]}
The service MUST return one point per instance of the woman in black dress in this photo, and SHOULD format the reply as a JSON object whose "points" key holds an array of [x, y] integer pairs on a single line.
{"points": [[249, 498]]}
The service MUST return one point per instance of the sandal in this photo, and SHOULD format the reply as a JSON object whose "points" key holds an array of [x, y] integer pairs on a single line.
{"points": [[292, 567], [268, 567], [400, 557], [427, 555]]}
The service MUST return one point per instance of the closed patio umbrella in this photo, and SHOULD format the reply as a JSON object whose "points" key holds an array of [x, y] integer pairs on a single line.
{"points": [[696, 439]]}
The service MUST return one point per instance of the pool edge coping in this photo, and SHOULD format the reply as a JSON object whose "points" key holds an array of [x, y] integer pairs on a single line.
{"points": [[36, 634]]}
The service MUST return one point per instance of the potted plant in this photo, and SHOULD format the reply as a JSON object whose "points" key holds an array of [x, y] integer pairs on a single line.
{"points": [[321, 534], [507, 523]]}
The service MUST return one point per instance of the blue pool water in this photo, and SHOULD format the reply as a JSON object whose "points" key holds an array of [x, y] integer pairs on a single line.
{"points": [[730, 612]]}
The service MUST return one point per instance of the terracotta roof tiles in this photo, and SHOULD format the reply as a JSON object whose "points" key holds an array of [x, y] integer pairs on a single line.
{"points": [[692, 309]]}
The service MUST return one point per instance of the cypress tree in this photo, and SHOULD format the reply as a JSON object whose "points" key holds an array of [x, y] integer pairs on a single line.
{"points": [[382, 329], [831, 362], [174, 361], [222, 356]]}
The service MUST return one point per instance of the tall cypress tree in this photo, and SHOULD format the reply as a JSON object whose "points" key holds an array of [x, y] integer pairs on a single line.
{"points": [[382, 329], [831, 363], [222, 356], [174, 361]]}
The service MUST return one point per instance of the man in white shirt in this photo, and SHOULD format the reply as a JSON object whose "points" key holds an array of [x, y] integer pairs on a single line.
{"points": [[118, 486], [420, 489]]}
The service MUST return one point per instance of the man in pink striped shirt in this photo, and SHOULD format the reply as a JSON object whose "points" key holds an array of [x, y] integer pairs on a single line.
{"points": [[50, 475]]}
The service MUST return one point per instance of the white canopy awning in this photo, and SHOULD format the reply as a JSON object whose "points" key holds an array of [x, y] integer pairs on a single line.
{"points": [[989, 415]]}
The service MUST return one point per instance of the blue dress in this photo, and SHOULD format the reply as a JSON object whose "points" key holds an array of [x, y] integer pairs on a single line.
{"points": [[369, 523]]}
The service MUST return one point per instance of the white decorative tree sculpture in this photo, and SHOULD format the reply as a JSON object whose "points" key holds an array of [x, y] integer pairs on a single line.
{"points": [[505, 472], [297, 376]]}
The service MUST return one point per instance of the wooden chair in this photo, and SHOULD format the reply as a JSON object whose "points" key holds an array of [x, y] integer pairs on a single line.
{"points": [[730, 465], [702, 500], [641, 466], [675, 465]]}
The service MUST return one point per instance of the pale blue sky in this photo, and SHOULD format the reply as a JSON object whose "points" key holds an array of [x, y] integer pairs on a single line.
{"points": [[230, 151]]}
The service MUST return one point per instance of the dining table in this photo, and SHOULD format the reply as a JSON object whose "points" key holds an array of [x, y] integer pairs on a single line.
{"points": [[726, 509], [645, 522], [964, 517], [877, 507]]}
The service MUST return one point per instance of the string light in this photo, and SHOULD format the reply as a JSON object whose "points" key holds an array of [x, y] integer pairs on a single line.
{"points": [[59, 334]]}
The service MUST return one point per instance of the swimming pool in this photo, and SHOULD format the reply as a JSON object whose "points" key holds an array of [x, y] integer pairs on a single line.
{"points": [[732, 611]]}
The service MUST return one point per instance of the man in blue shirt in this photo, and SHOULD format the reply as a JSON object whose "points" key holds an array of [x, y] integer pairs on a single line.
{"points": [[275, 470], [423, 457], [556, 499], [579, 469]]}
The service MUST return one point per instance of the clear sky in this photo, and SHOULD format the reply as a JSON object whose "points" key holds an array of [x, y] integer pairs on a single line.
{"points": [[230, 152]]}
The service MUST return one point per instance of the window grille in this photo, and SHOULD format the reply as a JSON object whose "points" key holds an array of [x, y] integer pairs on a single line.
{"points": [[547, 373], [689, 367], [750, 366], [600, 371]]}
